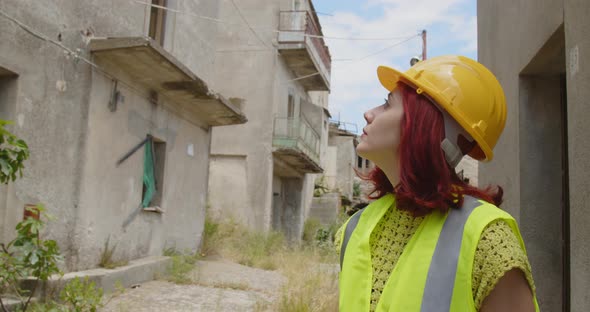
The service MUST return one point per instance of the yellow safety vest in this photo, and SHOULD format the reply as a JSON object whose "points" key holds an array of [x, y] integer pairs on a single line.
{"points": [[433, 272]]}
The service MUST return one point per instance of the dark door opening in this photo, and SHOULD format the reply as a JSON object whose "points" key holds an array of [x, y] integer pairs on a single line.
{"points": [[565, 197]]}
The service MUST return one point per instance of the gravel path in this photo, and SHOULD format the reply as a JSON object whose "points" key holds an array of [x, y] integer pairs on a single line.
{"points": [[219, 286]]}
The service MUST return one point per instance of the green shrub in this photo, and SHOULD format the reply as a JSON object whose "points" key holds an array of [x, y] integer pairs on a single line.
{"points": [[356, 189], [28, 256], [82, 295], [310, 227]]}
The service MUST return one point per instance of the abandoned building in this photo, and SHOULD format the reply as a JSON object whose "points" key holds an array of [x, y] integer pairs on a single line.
{"points": [[117, 106], [262, 173]]}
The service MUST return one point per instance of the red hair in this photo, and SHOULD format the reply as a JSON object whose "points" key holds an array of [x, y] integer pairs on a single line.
{"points": [[427, 182]]}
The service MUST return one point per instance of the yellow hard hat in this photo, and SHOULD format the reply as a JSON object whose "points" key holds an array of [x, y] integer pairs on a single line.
{"points": [[465, 89]]}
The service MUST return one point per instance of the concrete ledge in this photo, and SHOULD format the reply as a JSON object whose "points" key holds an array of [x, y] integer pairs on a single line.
{"points": [[137, 271], [12, 304]]}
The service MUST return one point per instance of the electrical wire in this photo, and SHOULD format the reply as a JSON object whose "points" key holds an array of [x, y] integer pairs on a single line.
{"points": [[376, 52], [26, 28], [247, 24], [77, 55], [358, 38], [253, 28], [182, 12], [303, 77]]}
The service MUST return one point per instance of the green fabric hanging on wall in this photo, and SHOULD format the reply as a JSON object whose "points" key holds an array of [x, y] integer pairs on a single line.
{"points": [[149, 180]]}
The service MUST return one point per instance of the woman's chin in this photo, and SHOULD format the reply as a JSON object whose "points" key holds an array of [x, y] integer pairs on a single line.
{"points": [[361, 150]]}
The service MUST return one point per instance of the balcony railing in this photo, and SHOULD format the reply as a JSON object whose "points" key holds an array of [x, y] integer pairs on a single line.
{"points": [[300, 27], [296, 134], [349, 127]]}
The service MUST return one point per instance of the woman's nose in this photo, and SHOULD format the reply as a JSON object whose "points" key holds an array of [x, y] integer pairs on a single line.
{"points": [[368, 116]]}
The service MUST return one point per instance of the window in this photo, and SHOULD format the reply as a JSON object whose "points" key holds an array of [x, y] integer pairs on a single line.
{"points": [[366, 163], [291, 106], [8, 96], [153, 174], [359, 162], [8, 89], [158, 21]]}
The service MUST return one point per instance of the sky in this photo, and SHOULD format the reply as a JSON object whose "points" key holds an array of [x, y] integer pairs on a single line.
{"points": [[451, 27]]}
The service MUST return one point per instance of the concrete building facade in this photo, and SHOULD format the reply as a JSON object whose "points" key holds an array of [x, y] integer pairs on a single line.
{"points": [[262, 173], [539, 50], [81, 111], [342, 158]]}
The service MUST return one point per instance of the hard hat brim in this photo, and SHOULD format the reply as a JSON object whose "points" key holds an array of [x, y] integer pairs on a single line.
{"points": [[389, 78]]}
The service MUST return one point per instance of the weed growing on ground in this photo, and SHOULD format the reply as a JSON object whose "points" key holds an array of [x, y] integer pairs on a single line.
{"points": [[179, 271], [310, 267], [106, 257], [82, 295], [310, 228], [312, 285], [231, 285], [233, 241]]}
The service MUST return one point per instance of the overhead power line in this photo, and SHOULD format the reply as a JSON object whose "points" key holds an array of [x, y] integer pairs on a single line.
{"points": [[247, 24], [77, 55], [253, 28], [354, 60]]}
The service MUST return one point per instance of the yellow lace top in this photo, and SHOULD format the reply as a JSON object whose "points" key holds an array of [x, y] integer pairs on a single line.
{"points": [[498, 252]]}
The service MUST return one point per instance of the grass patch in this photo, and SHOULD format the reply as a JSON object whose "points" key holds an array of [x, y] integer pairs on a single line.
{"points": [[106, 257], [310, 267], [231, 285], [311, 284], [180, 270], [310, 228], [234, 242]]}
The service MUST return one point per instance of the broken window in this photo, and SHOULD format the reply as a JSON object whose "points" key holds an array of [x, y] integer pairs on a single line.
{"points": [[153, 174], [158, 21]]}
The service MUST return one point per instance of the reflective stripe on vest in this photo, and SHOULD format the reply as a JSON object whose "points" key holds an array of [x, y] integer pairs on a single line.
{"points": [[350, 226], [443, 267]]}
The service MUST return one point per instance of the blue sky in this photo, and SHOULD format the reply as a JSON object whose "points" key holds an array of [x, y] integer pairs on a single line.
{"points": [[451, 27]]}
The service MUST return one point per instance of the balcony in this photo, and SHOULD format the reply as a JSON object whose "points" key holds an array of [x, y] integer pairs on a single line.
{"points": [[303, 52], [296, 145], [142, 62]]}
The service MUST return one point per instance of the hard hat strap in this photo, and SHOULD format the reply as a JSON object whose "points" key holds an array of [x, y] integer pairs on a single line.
{"points": [[450, 145], [453, 131]]}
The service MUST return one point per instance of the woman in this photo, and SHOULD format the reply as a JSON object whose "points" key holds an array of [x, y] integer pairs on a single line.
{"points": [[431, 242]]}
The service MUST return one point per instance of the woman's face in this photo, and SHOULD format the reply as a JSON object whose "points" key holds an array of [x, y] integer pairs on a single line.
{"points": [[381, 136]]}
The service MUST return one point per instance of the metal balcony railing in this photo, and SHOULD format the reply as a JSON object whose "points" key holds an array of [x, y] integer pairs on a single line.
{"points": [[303, 23], [296, 133], [345, 126]]}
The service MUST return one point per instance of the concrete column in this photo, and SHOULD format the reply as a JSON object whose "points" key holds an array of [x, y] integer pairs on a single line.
{"points": [[577, 50], [541, 181]]}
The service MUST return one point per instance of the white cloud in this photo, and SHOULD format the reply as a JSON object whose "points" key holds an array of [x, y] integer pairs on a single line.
{"points": [[355, 87]]}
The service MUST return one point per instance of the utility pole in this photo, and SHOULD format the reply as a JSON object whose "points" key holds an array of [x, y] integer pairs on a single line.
{"points": [[424, 44]]}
